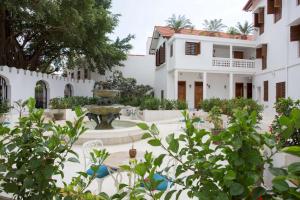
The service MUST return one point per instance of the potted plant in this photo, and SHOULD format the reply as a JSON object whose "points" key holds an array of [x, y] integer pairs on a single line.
{"points": [[58, 108], [215, 118], [132, 151], [4, 109]]}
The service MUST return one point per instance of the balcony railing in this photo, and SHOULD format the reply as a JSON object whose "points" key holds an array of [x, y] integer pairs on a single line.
{"points": [[235, 63]]}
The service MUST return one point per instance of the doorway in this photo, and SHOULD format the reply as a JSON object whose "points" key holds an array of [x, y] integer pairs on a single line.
{"points": [[249, 91], [182, 91], [239, 90], [198, 93]]}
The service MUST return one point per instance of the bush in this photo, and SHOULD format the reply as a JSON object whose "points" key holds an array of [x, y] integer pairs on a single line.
{"points": [[181, 105], [150, 104], [168, 104], [284, 108], [228, 106], [4, 107], [58, 103], [208, 104]]}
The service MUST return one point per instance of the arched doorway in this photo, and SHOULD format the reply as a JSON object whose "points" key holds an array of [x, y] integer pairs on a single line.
{"points": [[41, 95], [68, 90], [3, 89]]}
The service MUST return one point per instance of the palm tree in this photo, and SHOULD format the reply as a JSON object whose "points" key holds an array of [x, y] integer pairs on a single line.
{"points": [[215, 25], [233, 31], [179, 22], [245, 29]]}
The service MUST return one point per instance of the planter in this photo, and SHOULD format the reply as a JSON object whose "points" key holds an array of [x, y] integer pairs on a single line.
{"points": [[58, 114], [160, 115], [216, 132], [132, 153]]}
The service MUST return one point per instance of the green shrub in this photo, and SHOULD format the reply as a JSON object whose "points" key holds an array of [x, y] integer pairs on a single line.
{"points": [[208, 104], [168, 104], [284, 108], [58, 103], [229, 106], [4, 107], [150, 104], [181, 105]]}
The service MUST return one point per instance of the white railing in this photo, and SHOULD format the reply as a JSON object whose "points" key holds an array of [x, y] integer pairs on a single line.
{"points": [[235, 63], [221, 62]]}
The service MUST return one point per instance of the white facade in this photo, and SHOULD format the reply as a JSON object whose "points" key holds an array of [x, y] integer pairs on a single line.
{"points": [[21, 84], [283, 60], [215, 67]]}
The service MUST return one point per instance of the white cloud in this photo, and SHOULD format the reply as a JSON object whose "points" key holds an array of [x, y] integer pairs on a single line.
{"points": [[140, 16]]}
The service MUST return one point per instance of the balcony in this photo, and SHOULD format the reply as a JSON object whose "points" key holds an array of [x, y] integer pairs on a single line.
{"points": [[234, 64]]}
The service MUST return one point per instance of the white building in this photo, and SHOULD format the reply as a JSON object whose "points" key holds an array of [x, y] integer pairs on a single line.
{"points": [[193, 65], [278, 33]]}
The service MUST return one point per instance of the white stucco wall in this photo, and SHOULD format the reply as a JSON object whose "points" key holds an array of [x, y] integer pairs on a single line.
{"points": [[22, 83], [139, 67]]}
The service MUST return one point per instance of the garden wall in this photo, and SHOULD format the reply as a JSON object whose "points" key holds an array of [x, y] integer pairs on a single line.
{"points": [[160, 115], [21, 84]]}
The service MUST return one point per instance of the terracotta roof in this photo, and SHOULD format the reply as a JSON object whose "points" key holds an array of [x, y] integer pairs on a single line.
{"points": [[168, 32], [248, 5]]}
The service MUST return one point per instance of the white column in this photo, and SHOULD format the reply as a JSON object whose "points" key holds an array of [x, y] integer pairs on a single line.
{"points": [[204, 85], [231, 55], [231, 86], [175, 84]]}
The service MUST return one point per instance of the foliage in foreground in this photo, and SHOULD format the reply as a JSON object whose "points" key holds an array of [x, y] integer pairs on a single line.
{"points": [[233, 169], [284, 109], [34, 152]]}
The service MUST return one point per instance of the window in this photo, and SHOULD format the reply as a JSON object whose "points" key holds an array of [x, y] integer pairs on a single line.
{"points": [[72, 75], [278, 10], [298, 2], [261, 53], [78, 74], [162, 95], [295, 36], [192, 48], [275, 7], [86, 74], [280, 90], [171, 50], [266, 90], [161, 55], [259, 20]]}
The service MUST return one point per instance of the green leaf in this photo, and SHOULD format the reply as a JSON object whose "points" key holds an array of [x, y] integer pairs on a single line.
{"points": [[294, 150], [236, 189], [295, 114], [258, 192], [231, 175], [294, 168], [74, 160], [169, 194], [159, 159], [154, 142], [278, 171], [280, 184], [141, 169], [143, 126], [146, 136]]}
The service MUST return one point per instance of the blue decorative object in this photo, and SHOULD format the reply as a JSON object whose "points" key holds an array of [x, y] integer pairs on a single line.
{"points": [[163, 182], [100, 173]]}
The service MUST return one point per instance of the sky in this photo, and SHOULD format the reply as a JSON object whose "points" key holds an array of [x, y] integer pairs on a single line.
{"points": [[138, 17]]}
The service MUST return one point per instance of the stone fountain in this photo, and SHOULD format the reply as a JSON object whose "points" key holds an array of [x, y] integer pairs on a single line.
{"points": [[105, 112]]}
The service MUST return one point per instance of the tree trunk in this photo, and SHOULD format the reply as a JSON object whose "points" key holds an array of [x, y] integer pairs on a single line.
{"points": [[2, 36]]}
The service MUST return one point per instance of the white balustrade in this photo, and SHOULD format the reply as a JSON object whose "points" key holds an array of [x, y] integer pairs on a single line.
{"points": [[235, 63]]}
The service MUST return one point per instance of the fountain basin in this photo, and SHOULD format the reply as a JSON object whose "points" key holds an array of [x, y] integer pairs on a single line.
{"points": [[124, 132]]}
